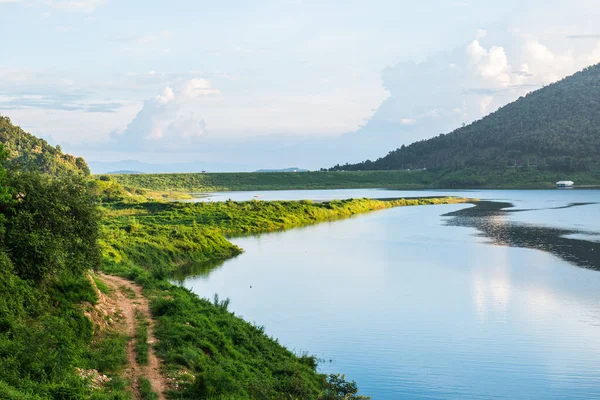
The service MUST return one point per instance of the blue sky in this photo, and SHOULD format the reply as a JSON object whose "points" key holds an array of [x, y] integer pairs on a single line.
{"points": [[275, 83]]}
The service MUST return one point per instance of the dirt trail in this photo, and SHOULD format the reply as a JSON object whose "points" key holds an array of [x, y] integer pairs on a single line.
{"points": [[123, 291]]}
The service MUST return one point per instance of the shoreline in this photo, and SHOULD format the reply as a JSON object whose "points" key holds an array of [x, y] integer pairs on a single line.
{"points": [[187, 324], [389, 179]]}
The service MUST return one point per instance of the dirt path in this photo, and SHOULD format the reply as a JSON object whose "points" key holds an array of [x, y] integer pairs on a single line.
{"points": [[129, 298]]}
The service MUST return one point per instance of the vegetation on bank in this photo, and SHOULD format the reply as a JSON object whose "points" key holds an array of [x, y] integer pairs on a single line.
{"points": [[163, 236], [172, 185], [207, 350], [223, 182]]}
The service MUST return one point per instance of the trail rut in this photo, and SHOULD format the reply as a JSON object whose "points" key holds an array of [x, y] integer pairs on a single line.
{"points": [[123, 290]]}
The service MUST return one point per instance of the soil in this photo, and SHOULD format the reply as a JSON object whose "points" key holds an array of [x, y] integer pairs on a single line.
{"points": [[127, 304]]}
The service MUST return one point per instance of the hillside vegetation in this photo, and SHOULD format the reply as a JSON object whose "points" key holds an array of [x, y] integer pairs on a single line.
{"points": [[27, 152], [555, 129], [49, 227]]}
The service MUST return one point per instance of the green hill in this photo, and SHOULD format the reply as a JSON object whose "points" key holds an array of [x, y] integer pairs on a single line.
{"points": [[555, 129], [31, 153]]}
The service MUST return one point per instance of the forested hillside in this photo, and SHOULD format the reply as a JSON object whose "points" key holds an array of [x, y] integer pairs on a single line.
{"points": [[31, 153], [556, 128]]}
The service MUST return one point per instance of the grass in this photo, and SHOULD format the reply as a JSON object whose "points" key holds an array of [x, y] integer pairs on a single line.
{"points": [[468, 177], [162, 237], [52, 340], [146, 391], [211, 352], [129, 292], [102, 287], [141, 338], [219, 182]]}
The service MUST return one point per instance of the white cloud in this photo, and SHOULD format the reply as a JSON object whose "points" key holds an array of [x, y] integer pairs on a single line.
{"points": [[166, 96], [163, 121], [198, 87], [484, 104], [449, 89], [491, 65]]}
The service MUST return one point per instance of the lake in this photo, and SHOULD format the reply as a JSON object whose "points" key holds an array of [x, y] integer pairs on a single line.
{"points": [[433, 302]]}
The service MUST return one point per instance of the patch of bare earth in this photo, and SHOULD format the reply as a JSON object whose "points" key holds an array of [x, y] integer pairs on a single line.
{"points": [[129, 298]]}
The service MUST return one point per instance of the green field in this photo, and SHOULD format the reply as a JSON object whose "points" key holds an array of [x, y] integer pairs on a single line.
{"points": [[522, 177], [220, 182]]}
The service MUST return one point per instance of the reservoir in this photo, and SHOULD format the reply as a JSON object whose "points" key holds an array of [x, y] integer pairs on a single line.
{"points": [[499, 300]]}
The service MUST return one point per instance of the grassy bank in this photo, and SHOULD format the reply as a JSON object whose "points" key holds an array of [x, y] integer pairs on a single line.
{"points": [[209, 352], [523, 177], [163, 236]]}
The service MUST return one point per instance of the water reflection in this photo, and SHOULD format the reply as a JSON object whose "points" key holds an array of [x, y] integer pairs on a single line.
{"points": [[490, 218], [414, 308], [195, 270]]}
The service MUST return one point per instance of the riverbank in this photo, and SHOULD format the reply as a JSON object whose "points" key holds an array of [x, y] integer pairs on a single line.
{"points": [[209, 352], [165, 236], [502, 178]]}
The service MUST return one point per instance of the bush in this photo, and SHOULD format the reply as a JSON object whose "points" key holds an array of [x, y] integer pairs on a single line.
{"points": [[53, 228]]}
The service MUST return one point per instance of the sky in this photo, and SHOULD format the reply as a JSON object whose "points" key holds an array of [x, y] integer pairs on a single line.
{"points": [[242, 85]]}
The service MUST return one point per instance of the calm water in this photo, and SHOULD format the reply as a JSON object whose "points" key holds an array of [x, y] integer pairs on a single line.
{"points": [[437, 302]]}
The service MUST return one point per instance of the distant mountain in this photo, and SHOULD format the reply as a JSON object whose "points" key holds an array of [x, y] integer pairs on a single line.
{"points": [[556, 128], [293, 169], [129, 166], [30, 152]]}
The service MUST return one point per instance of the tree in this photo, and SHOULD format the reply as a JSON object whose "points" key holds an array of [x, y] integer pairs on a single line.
{"points": [[338, 388], [53, 227]]}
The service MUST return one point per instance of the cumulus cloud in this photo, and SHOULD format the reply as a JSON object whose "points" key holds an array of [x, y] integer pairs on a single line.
{"points": [[490, 64], [163, 123], [451, 88]]}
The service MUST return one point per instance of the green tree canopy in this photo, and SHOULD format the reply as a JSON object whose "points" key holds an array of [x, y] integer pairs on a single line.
{"points": [[53, 226]]}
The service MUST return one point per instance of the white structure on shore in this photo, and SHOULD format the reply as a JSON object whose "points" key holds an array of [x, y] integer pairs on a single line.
{"points": [[564, 184]]}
